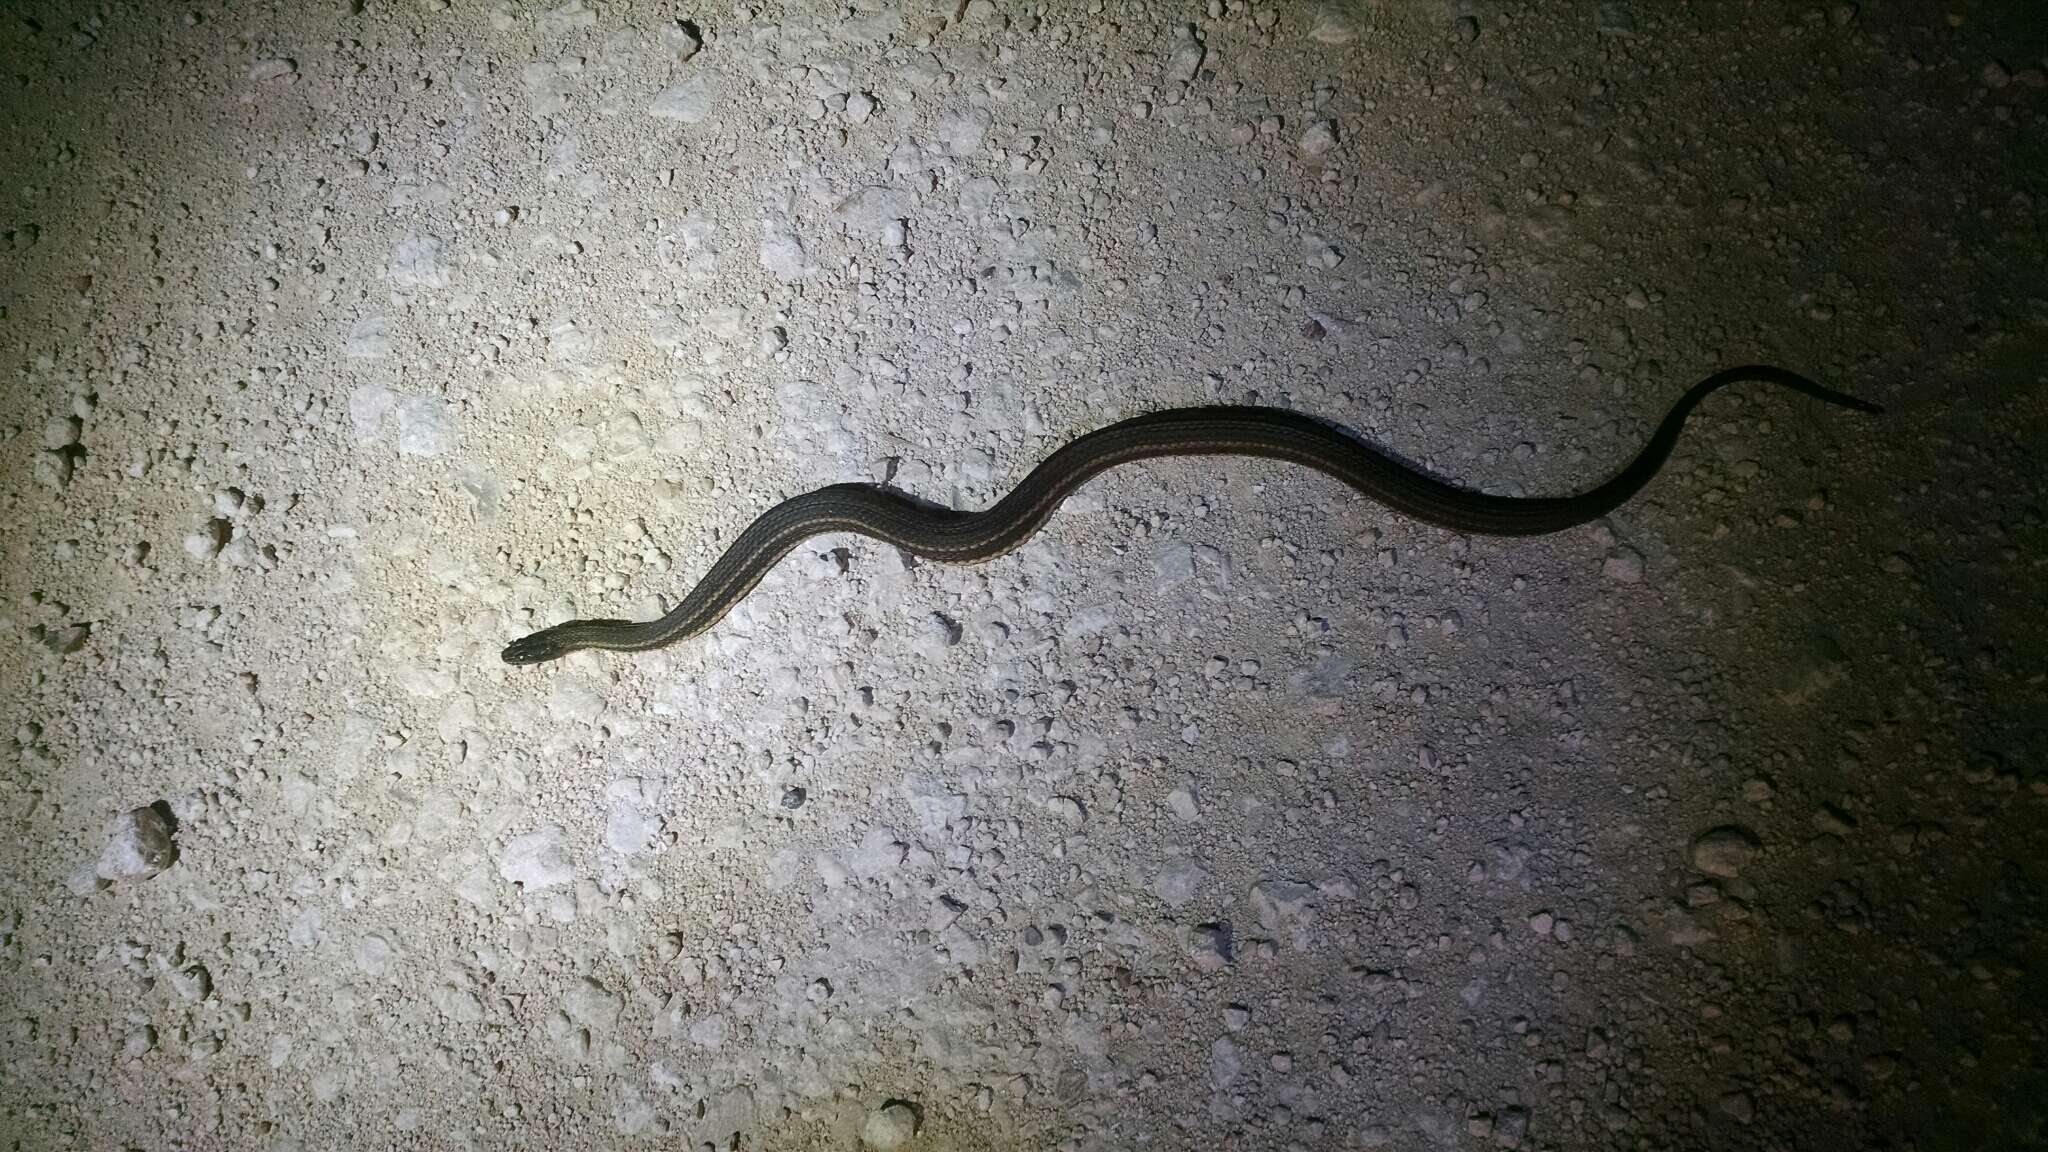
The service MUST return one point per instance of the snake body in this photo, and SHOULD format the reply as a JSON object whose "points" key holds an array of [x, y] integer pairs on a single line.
{"points": [[964, 537]]}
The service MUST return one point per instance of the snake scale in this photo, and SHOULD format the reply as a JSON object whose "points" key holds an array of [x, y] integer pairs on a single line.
{"points": [[965, 537]]}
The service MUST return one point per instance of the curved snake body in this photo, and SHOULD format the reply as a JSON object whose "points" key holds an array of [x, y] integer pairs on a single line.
{"points": [[960, 537]]}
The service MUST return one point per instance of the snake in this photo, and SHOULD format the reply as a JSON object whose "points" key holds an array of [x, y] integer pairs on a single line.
{"points": [[956, 536]]}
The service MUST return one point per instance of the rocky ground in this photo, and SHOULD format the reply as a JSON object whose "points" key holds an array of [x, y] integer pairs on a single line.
{"points": [[345, 342]]}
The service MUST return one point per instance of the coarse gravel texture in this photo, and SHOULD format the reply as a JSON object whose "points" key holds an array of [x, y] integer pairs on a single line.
{"points": [[346, 341]]}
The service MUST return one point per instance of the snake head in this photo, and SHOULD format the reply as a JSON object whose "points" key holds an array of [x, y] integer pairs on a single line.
{"points": [[537, 648]]}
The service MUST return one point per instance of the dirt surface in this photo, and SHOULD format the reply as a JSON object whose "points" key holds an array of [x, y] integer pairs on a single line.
{"points": [[346, 342]]}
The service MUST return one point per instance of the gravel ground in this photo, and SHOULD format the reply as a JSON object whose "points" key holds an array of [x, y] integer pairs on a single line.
{"points": [[347, 341]]}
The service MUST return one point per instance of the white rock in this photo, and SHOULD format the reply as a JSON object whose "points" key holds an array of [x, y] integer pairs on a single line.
{"points": [[688, 103], [565, 18], [368, 405], [1210, 948], [782, 254], [1177, 883], [1067, 810], [1225, 1062], [1624, 565], [1187, 56], [592, 1004], [374, 954], [1814, 665], [61, 432], [138, 845], [577, 442], [679, 40], [1173, 563], [632, 1113], [1087, 622], [1320, 137], [962, 134], [934, 635], [893, 1125], [191, 984], [879, 853], [1724, 851], [1319, 253], [1334, 24], [84, 880], [368, 338], [416, 263], [1279, 903], [870, 210], [709, 1032], [1739, 1106], [307, 928], [537, 860], [1614, 19], [202, 545], [547, 88], [574, 700], [424, 427], [630, 831], [934, 804]]}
